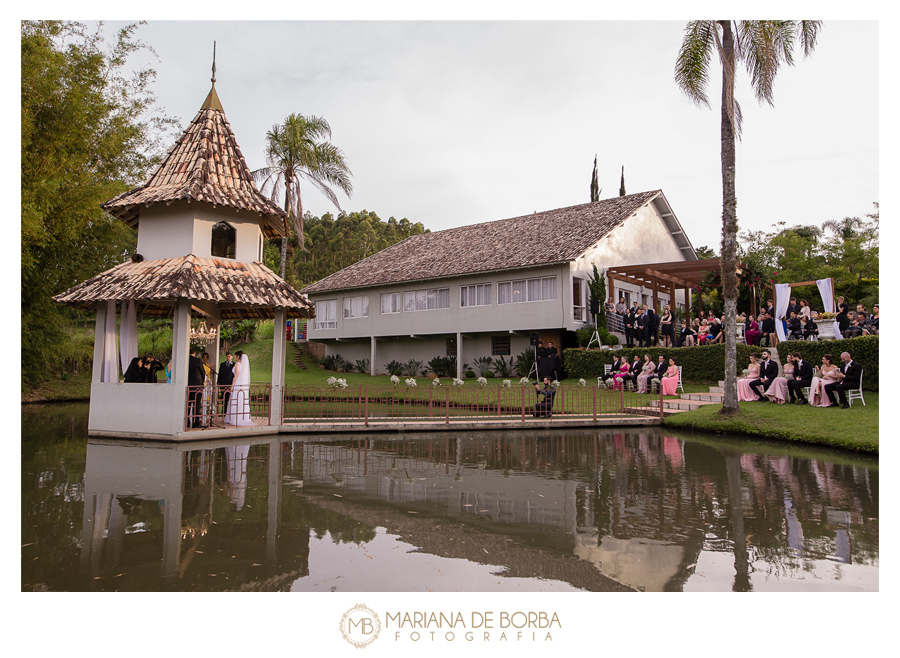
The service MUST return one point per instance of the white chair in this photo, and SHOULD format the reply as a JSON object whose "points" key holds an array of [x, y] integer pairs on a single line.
{"points": [[857, 394], [680, 368], [606, 370]]}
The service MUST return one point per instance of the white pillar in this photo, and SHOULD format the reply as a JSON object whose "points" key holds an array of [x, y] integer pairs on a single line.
{"points": [[96, 375], [181, 342], [372, 357], [278, 356], [459, 356]]}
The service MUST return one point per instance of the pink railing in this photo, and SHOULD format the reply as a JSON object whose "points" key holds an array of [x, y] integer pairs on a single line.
{"points": [[207, 406], [446, 403]]}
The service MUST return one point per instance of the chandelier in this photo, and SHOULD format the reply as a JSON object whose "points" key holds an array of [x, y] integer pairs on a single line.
{"points": [[203, 336]]}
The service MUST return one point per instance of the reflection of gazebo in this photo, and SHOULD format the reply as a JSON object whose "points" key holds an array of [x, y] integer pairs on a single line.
{"points": [[201, 226], [666, 278]]}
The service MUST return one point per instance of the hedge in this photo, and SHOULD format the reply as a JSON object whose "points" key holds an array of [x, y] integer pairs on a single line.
{"points": [[863, 349], [707, 362], [701, 362]]}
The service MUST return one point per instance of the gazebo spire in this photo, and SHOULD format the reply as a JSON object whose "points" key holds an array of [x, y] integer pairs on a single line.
{"points": [[212, 101]]}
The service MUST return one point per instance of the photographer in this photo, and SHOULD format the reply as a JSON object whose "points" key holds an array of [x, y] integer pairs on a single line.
{"points": [[544, 408], [150, 367]]}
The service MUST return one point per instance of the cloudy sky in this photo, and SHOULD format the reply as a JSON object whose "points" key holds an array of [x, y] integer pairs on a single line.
{"points": [[454, 123]]}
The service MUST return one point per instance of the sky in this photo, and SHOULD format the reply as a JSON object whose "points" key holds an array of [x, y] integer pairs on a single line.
{"points": [[451, 123]]}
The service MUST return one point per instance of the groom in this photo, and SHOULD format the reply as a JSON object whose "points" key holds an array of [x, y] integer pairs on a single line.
{"points": [[226, 379]]}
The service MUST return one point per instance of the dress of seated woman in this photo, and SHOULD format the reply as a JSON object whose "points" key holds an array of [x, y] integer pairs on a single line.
{"points": [[619, 376], [643, 380], [669, 382], [753, 333], [778, 390], [745, 394], [828, 373]]}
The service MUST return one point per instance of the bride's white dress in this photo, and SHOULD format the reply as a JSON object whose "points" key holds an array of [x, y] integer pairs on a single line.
{"points": [[239, 406]]}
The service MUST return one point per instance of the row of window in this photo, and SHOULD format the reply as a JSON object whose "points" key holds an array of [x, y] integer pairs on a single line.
{"points": [[508, 292]]}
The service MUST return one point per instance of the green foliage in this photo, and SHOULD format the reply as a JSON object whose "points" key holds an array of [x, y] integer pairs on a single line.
{"points": [[504, 367], [266, 330], [863, 350], [583, 335], [362, 366], [597, 286], [700, 363], [411, 368], [86, 136], [394, 368], [483, 364], [443, 366], [334, 362], [524, 363], [157, 343]]}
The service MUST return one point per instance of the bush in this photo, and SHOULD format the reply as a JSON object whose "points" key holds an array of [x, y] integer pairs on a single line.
{"points": [[503, 367], [583, 336], [443, 366], [489, 374], [334, 362], [524, 362], [701, 363], [470, 374], [362, 365], [393, 368], [483, 364], [411, 368], [863, 349]]}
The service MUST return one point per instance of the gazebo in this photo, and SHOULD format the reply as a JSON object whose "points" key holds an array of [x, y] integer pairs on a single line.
{"points": [[201, 226]]}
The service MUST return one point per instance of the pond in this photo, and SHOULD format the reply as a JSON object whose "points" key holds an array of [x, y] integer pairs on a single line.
{"points": [[531, 511]]}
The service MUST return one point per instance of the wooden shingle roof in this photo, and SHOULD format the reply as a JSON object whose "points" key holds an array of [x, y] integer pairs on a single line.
{"points": [[242, 290], [553, 236], [205, 164]]}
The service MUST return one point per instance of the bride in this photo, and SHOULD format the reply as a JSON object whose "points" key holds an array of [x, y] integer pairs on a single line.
{"points": [[239, 406]]}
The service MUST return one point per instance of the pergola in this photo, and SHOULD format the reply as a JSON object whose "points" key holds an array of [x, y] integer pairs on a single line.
{"points": [[666, 277]]}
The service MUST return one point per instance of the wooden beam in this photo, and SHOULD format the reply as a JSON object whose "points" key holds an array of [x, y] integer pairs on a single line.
{"points": [[669, 277]]}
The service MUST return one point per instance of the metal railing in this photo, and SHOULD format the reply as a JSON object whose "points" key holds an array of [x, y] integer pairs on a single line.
{"points": [[209, 406], [443, 404]]}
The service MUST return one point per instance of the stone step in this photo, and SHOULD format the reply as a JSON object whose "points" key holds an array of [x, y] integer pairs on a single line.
{"points": [[718, 389], [684, 405], [654, 410], [706, 397]]}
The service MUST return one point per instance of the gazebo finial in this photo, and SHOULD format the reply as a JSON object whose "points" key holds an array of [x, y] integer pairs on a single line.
{"points": [[212, 100], [213, 78]]}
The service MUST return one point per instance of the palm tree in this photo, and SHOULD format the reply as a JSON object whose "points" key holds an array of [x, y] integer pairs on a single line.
{"points": [[762, 46], [295, 150], [846, 228]]}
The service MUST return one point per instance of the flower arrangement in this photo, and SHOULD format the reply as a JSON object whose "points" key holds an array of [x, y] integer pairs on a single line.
{"points": [[482, 381], [395, 380], [582, 383], [826, 316], [411, 382], [457, 381], [507, 383], [436, 381], [554, 384], [524, 381], [333, 382]]}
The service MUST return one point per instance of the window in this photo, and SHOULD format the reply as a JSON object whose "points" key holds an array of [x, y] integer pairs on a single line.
{"points": [[356, 307], [479, 295], [326, 314], [529, 290], [426, 300], [451, 347], [390, 303], [223, 241], [500, 346], [578, 299]]}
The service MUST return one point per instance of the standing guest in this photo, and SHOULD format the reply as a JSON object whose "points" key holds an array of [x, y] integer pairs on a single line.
{"points": [[808, 327], [770, 308], [643, 324], [620, 307], [653, 325], [852, 374], [778, 391], [804, 308], [609, 306], [629, 327], [196, 374], [647, 371], [828, 374], [841, 317], [226, 379], [871, 326], [768, 371], [669, 381], [135, 372], [745, 393], [553, 356], [803, 374], [667, 327], [794, 307]]}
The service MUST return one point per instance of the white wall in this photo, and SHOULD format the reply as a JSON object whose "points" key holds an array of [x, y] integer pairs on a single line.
{"points": [[145, 409], [186, 228]]}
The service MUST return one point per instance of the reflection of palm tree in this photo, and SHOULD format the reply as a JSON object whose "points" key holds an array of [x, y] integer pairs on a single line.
{"points": [[763, 46], [295, 151]]}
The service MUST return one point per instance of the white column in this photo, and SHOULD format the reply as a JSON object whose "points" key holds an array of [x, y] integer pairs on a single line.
{"points": [[278, 356], [372, 357], [459, 357], [181, 342], [98, 343]]}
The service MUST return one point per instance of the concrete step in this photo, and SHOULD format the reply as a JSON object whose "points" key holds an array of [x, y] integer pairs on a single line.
{"points": [[684, 405], [718, 389], [654, 410], [706, 397]]}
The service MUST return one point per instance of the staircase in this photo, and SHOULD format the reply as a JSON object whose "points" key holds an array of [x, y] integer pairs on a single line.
{"points": [[301, 354]]}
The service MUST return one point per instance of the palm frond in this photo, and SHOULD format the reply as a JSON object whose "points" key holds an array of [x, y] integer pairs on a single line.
{"points": [[693, 61], [809, 33]]}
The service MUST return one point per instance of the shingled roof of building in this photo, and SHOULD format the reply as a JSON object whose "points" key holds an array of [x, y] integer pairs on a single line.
{"points": [[205, 164], [242, 290], [552, 236]]}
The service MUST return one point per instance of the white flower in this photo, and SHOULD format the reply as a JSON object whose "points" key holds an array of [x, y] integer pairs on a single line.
{"points": [[342, 383], [336, 383], [482, 381], [395, 380], [457, 381], [524, 381], [330, 381], [581, 382], [554, 384], [507, 383], [436, 381], [411, 382]]}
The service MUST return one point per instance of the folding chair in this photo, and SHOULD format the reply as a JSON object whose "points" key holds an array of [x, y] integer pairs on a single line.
{"points": [[857, 394]]}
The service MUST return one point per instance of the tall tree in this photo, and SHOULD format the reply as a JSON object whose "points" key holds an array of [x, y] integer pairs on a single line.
{"points": [[622, 184], [762, 46], [90, 131], [595, 184], [295, 151]]}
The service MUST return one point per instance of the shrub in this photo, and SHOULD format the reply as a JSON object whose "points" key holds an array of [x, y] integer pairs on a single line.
{"points": [[443, 366], [393, 368], [504, 367], [470, 374], [334, 362], [524, 362], [583, 336], [411, 368], [362, 365], [483, 364], [489, 374]]}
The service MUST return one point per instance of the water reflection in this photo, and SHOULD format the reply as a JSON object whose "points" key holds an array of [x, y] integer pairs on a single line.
{"points": [[558, 510]]}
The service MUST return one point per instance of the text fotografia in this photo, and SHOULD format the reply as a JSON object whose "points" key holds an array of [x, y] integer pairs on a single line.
{"points": [[480, 626]]}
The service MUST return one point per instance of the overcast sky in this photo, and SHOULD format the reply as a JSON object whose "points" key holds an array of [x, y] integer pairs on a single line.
{"points": [[454, 123]]}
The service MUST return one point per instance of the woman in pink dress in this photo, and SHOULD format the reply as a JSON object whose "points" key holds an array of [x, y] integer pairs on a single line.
{"points": [[753, 333], [778, 389], [619, 376], [828, 373], [745, 394], [669, 381], [643, 380]]}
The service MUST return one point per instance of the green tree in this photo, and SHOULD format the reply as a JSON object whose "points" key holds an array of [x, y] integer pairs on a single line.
{"points": [[87, 135], [622, 184], [595, 184], [295, 151], [762, 46]]}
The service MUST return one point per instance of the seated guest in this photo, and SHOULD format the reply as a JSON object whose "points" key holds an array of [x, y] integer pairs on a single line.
{"points": [[715, 332], [802, 377], [643, 379], [768, 330], [613, 369], [686, 337], [804, 308], [778, 391], [661, 367], [808, 327], [856, 326], [745, 394], [634, 370], [828, 374], [669, 381], [768, 371], [621, 374], [794, 327], [849, 381], [861, 312], [794, 307], [702, 332], [870, 328]]}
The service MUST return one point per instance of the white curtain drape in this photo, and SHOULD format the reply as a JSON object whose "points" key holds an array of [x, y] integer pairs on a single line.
{"points": [[782, 298], [128, 342], [827, 292], [110, 370]]}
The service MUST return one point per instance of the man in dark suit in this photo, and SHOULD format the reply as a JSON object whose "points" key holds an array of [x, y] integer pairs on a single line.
{"points": [[803, 374], [630, 326], [196, 375], [635, 370], [794, 307], [768, 331], [643, 328], [226, 378], [852, 372], [768, 371], [653, 324], [794, 327]]}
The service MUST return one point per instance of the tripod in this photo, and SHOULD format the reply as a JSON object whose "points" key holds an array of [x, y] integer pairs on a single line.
{"points": [[596, 335], [534, 368]]}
